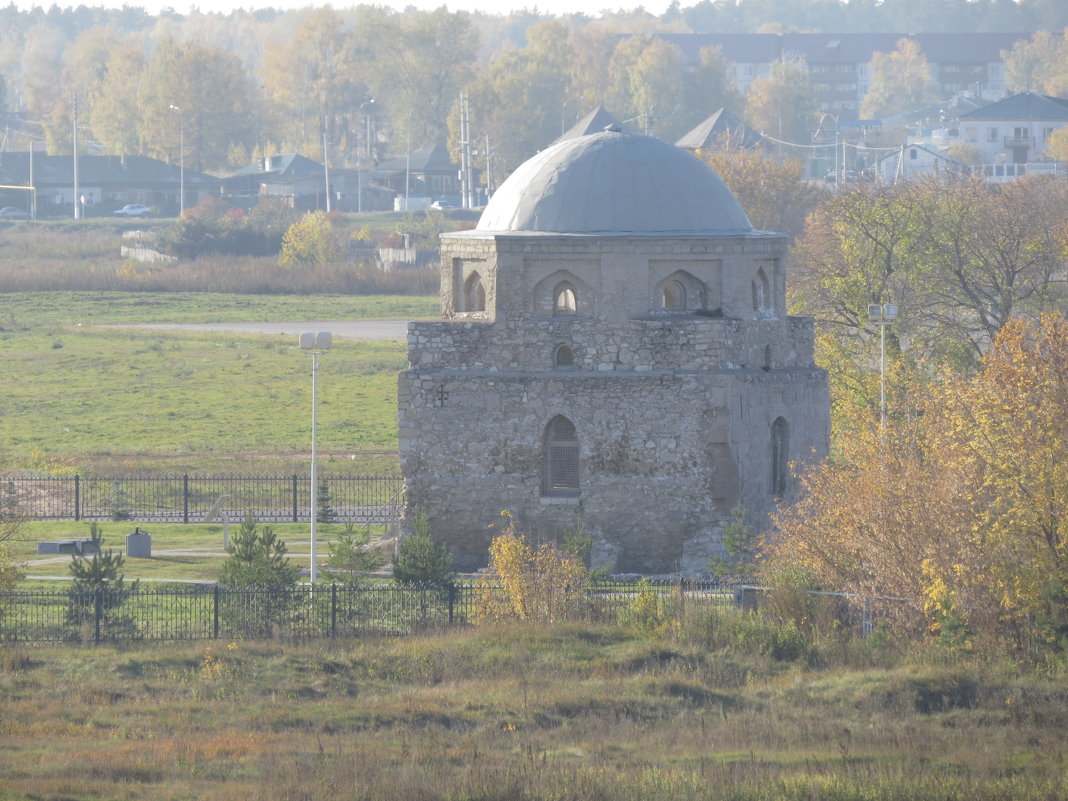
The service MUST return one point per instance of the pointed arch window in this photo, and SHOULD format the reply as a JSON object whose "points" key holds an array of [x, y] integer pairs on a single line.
{"points": [[565, 301], [474, 294], [674, 295], [561, 458]]}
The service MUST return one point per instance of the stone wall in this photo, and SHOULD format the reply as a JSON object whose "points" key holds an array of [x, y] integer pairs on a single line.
{"points": [[664, 342]]}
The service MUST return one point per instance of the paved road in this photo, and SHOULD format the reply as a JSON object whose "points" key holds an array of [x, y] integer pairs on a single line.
{"points": [[343, 329]]}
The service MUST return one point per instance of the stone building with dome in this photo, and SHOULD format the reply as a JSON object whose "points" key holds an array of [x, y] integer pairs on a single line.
{"points": [[614, 355]]}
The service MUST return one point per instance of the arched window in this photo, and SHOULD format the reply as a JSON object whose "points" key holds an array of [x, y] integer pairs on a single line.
{"points": [[474, 294], [561, 458], [563, 356], [564, 299], [767, 357], [674, 295], [780, 460]]}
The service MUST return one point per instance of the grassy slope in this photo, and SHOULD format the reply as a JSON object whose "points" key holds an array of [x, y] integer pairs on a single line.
{"points": [[77, 391], [567, 713]]}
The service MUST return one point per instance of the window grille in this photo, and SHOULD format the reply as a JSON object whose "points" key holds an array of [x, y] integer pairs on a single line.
{"points": [[561, 458]]}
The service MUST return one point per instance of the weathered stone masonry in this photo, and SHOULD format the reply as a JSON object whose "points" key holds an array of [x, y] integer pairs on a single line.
{"points": [[639, 385]]}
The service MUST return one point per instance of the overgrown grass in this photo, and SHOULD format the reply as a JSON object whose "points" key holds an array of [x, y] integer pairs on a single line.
{"points": [[79, 393], [575, 712]]}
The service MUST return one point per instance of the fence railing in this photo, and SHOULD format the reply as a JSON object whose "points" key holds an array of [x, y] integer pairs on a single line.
{"points": [[209, 611], [188, 498]]}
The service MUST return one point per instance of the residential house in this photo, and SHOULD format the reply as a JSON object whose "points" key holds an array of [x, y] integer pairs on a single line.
{"points": [[912, 161], [428, 173], [1013, 133], [104, 183]]}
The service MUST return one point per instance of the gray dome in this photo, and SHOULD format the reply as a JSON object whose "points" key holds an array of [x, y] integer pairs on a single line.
{"points": [[614, 183]]}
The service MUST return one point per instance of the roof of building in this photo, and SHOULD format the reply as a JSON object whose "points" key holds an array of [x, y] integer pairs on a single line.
{"points": [[282, 165], [614, 183], [1024, 106], [432, 158], [594, 122], [722, 128], [104, 171]]}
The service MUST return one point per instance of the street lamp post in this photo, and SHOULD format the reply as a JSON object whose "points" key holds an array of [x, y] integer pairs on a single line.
{"points": [[315, 344], [882, 315], [181, 159]]}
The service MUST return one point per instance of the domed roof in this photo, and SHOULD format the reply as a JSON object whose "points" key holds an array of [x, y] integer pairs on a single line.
{"points": [[614, 183]]}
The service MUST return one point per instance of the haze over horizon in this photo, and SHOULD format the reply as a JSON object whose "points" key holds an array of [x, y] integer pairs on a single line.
{"points": [[589, 7]]}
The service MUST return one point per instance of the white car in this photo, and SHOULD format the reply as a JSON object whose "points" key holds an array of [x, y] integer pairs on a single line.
{"points": [[133, 210]]}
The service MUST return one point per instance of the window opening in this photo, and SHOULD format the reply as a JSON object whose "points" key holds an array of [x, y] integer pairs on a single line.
{"points": [[561, 458], [674, 295], [564, 299], [563, 357], [780, 467], [474, 294]]}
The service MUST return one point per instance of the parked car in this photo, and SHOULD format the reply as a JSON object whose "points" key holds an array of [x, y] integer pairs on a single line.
{"points": [[13, 213], [442, 204], [133, 210]]}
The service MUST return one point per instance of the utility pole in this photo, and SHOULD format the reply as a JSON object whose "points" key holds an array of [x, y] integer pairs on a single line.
{"points": [[74, 139]]}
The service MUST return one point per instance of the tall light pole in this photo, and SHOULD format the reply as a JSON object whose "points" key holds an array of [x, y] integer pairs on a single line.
{"points": [[315, 344], [882, 315], [181, 159]]}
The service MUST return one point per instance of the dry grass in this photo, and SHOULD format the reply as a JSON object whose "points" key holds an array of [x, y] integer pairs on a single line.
{"points": [[513, 713]]}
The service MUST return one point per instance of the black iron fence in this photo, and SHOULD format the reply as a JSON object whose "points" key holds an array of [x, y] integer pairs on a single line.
{"points": [[209, 611], [186, 498]]}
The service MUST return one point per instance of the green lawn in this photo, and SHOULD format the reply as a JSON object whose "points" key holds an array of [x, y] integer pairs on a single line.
{"points": [[81, 393]]}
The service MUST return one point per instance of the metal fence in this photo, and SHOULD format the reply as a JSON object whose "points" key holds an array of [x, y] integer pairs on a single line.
{"points": [[186, 498], [209, 611]]}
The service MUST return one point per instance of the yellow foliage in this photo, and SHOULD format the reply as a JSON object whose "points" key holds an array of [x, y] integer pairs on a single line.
{"points": [[541, 585]]}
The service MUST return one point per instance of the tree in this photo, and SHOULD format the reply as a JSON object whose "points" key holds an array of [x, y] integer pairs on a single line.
{"points": [[900, 81], [537, 585], [784, 104], [351, 557], [310, 240], [98, 585], [257, 560], [11, 522], [1040, 64], [774, 194], [211, 88], [959, 509], [421, 560], [1057, 146], [115, 108]]}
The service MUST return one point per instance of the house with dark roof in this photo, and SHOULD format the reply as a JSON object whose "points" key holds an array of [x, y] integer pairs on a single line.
{"points": [[1015, 130], [104, 183], [427, 173], [724, 130], [301, 182]]}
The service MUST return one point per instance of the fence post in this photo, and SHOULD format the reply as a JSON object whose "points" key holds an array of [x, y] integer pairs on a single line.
{"points": [[215, 613], [185, 498], [452, 602], [295, 498], [77, 497], [333, 610], [98, 612]]}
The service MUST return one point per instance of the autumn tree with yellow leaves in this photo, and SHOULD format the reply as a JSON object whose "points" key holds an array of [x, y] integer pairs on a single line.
{"points": [[534, 584], [957, 512]]}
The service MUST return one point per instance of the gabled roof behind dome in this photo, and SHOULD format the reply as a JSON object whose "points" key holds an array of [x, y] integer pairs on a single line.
{"points": [[614, 183]]}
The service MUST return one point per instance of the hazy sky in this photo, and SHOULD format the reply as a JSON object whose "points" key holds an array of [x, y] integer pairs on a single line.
{"points": [[591, 7]]}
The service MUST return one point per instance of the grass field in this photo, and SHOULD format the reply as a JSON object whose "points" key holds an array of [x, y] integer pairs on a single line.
{"points": [[81, 393], [695, 710]]}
